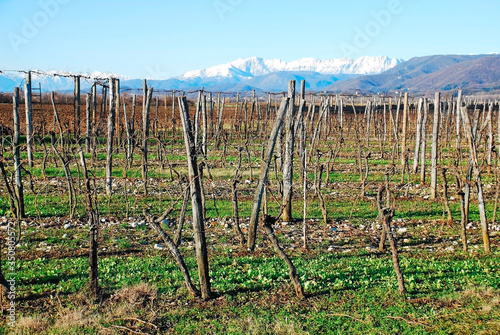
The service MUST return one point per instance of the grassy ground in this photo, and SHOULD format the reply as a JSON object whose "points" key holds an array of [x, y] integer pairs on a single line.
{"points": [[351, 287]]}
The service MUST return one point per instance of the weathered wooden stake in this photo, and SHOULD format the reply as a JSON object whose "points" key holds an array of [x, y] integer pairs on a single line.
{"points": [[424, 141], [304, 188], [93, 122], [458, 125], [435, 145], [173, 118], [196, 204], [76, 104], [418, 139], [17, 159], [477, 177], [93, 220], [132, 142], [29, 119], [289, 149], [145, 134], [264, 171], [403, 135], [204, 118], [111, 134], [88, 128], [118, 125], [463, 221], [490, 137]]}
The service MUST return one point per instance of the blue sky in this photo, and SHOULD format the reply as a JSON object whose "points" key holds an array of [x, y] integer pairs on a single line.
{"points": [[161, 39]]}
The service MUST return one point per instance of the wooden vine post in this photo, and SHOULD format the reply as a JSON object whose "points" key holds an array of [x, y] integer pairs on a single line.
{"points": [[29, 119], [173, 117], [145, 134], [131, 133], [300, 126], [104, 100], [204, 119], [435, 143], [498, 131], [94, 123], [196, 203], [304, 209], [93, 220], [403, 139], [424, 141], [17, 159], [418, 139], [118, 118], [111, 133], [76, 104], [458, 124], [289, 149], [88, 128], [477, 177], [264, 171]]}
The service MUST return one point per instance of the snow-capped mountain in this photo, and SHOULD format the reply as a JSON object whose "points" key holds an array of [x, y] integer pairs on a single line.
{"points": [[255, 66], [471, 73], [239, 75]]}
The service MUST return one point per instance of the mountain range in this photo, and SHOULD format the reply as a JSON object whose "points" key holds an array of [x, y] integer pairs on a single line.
{"points": [[472, 73]]}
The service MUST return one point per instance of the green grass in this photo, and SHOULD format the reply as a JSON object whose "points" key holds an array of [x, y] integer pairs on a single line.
{"points": [[348, 293]]}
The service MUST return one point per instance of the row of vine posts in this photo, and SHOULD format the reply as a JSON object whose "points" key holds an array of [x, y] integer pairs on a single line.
{"points": [[309, 122]]}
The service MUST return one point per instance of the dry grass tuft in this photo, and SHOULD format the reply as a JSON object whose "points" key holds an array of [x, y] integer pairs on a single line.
{"points": [[31, 325], [75, 318], [252, 326], [491, 305], [285, 327], [138, 295], [480, 293], [128, 301]]}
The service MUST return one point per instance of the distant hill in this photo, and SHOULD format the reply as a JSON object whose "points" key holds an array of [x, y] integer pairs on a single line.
{"points": [[432, 73]]}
